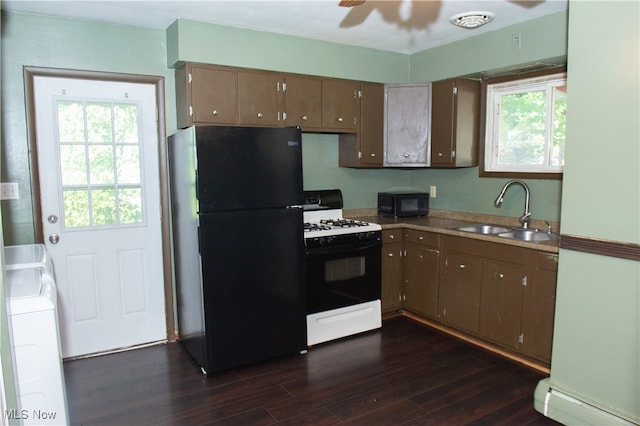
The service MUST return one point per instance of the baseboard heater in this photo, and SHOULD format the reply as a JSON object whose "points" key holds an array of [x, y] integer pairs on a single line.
{"points": [[567, 409]]}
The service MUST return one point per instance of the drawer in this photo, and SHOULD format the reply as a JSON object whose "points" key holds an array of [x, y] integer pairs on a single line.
{"points": [[391, 236], [548, 261], [421, 237]]}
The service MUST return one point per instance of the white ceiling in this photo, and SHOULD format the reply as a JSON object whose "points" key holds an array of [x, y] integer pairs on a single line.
{"points": [[405, 26]]}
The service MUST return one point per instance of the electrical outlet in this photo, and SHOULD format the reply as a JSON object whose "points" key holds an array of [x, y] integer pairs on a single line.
{"points": [[432, 191], [9, 191]]}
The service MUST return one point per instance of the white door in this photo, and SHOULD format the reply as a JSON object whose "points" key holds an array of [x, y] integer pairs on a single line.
{"points": [[99, 184]]}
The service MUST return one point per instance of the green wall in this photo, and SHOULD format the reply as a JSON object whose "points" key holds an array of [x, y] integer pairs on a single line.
{"points": [[596, 347], [200, 42]]}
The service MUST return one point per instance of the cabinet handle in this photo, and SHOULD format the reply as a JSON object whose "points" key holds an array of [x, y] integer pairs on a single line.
{"points": [[420, 238], [373, 155], [390, 255], [340, 120], [501, 276], [439, 154], [259, 115], [462, 266], [305, 118], [406, 155], [214, 112], [392, 236]]}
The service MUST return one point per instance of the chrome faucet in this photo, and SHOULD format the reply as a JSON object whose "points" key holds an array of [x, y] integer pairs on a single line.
{"points": [[524, 219]]}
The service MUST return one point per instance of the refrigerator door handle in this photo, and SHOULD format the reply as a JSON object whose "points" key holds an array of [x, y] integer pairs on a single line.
{"points": [[295, 206]]}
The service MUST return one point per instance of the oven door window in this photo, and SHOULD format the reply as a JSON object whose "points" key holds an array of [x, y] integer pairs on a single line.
{"points": [[344, 269], [338, 280]]}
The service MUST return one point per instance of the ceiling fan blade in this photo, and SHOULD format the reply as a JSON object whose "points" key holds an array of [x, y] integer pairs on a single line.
{"points": [[350, 3]]}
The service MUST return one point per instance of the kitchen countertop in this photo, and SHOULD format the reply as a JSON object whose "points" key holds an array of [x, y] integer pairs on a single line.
{"points": [[442, 222]]}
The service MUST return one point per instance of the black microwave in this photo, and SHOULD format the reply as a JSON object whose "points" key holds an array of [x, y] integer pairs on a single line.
{"points": [[403, 204]]}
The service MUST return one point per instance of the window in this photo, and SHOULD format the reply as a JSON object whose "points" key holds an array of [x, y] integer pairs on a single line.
{"points": [[525, 125], [99, 163]]}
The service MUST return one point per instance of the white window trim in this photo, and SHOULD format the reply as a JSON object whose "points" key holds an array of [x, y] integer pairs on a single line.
{"points": [[492, 131]]}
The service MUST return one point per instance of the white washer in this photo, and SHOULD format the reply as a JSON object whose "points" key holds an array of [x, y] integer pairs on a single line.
{"points": [[35, 336]]}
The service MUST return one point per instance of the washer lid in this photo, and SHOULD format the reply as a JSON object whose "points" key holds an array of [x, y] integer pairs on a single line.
{"points": [[26, 256]]}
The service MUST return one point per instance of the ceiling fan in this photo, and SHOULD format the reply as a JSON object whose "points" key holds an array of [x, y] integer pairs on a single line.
{"points": [[350, 3]]}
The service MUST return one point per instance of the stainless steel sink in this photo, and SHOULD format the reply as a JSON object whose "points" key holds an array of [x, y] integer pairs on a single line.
{"points": [[528, 235], [482, 228]]}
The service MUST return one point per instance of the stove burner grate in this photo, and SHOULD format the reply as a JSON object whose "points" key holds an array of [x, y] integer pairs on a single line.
{"points": [[343, 223], [308, 227]]}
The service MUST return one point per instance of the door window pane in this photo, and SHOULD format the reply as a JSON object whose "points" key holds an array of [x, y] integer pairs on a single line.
{"points": [[101, 164], [98, 122], [73, 159], [76, 212], [71, 121], [103, 207], [128, 159], [126, 123], [130, 203]]}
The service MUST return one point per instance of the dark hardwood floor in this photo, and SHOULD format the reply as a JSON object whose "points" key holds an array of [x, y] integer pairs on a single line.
{"points": [[405, 373]]}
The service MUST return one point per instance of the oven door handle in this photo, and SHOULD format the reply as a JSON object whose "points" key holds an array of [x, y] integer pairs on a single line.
{"points": [[342, 249]]}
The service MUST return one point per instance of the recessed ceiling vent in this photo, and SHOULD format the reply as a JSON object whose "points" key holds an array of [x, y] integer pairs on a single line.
{"points": [[471, 20]]}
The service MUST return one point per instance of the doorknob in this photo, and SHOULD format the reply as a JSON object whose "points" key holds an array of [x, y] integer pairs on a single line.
{"points": [[52, 218], [54, 238]]}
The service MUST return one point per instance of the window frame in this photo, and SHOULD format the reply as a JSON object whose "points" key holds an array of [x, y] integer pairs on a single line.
{"points": [[484, 84]]}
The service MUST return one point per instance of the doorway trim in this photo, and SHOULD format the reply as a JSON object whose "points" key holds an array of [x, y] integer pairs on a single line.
{"points": [[30, 73]]}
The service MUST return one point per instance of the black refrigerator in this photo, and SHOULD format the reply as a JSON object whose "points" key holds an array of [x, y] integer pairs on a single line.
{"points": [[236, 206]]}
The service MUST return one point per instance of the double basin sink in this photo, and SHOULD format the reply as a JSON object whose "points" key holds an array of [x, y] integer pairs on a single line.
{"points": [[522, 234]]}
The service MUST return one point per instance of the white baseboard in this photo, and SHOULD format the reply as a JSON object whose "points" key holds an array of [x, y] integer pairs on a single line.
{"points": [[569, 410]]}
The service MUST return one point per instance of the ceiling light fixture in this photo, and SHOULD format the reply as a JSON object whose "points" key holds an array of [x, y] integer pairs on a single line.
{"points": [[471, 20]]}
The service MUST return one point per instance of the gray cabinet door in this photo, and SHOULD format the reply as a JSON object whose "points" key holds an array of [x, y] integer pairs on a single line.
{"points": [[407, 125]]}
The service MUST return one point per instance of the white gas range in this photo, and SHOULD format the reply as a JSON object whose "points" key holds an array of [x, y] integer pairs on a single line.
{"points": [[343, 258]]}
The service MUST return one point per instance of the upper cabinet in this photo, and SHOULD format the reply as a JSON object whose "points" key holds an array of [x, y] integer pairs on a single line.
{"points": [[213, 94], [303, 101], [340, 105], [407, 112], [364, 148], [455, 119], [205, 94], [259, 98], [392, 125]]}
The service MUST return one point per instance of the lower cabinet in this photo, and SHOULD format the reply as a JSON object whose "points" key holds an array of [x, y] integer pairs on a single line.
{"points": [[499, 293], [459, 295], [538, 308], [501, 289], [391, 270], [420, 272]]}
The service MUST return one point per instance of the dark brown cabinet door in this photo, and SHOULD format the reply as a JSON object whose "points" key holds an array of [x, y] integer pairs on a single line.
{"points": [[210, 96], [371, 123], [455, 118], [421, 279], [259, 98], [501, 302], [339, 105], [391, 277], [459, 293], [303, 102], [538, 308]]}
